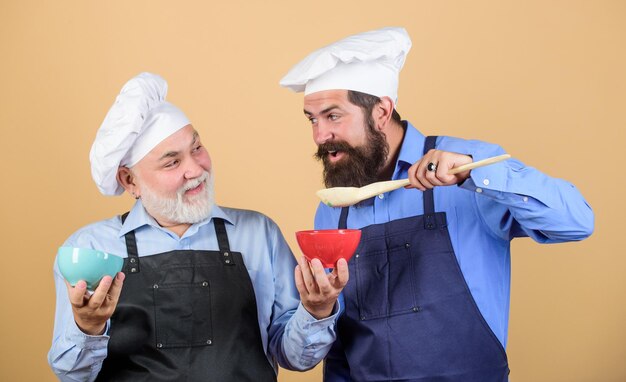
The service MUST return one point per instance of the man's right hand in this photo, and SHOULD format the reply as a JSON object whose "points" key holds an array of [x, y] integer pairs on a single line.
{"points": [[91, 311]]}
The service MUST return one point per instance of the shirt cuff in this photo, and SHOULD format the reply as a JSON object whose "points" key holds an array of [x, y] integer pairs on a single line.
{"points": [[308, 340], [306, 321], [85, 341]]}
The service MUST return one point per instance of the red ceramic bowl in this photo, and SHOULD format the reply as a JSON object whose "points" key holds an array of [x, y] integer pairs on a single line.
{"points": [[328, 245]]}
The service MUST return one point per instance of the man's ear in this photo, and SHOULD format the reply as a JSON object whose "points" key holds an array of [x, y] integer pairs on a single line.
{"points": [[382, 113], [126, 178]]}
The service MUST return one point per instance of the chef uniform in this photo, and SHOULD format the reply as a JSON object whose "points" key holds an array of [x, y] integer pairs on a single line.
{"points": [[409, 314], [188, 309]]}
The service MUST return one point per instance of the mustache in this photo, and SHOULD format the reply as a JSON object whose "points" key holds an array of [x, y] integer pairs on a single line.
{"points": [[193, 183], [324, 148]]}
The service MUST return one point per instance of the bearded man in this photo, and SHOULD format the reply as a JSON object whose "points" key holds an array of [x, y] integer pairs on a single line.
{"points": [[428, 299], [207, 293]]}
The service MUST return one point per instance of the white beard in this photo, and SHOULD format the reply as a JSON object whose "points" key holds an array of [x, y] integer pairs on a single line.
{"points": [[177, 210]]}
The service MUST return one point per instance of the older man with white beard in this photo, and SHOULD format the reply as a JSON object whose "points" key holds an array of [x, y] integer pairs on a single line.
{"points": [[207, 293]]}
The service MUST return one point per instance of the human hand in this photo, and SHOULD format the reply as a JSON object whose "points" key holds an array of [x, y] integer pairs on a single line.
{"points": [[422, 178], [319, 290], [92, 310]]}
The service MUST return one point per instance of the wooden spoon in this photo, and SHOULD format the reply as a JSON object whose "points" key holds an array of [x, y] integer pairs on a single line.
{"points": [[347, 196]]}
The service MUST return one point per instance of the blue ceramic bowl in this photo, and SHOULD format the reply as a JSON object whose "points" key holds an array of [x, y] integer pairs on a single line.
{"points": [[87, 264]]}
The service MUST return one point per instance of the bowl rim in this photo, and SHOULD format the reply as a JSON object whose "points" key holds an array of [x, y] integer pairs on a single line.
{"points": [[69, 250], [341, 231]]}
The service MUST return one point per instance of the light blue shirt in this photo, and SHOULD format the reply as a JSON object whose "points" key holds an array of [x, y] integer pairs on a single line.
{"points": [[292, 338], [496, 204]]}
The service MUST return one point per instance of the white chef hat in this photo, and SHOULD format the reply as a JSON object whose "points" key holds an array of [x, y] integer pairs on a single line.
{"points": [[368, 62], [139, 120]]}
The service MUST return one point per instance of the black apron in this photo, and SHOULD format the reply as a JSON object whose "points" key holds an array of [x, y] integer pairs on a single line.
{"points": [[186, 315], [409, 314]]}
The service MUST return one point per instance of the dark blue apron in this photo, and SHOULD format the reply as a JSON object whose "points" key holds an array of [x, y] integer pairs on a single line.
{"points": [[409, 315], [186, 315]]}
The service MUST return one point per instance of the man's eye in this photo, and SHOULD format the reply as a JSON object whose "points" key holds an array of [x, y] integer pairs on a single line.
{"points": [[197, 148], [333, 117], [171, 164], [313, 121]]}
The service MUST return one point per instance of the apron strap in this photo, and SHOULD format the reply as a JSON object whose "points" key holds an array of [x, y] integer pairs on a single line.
{"points": [[222, 241], [131, 248], [429, 195], [343, 218], [133, 254]]}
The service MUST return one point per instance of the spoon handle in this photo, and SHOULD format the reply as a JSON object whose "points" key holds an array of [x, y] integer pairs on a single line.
{"points": [[479, 163], [377, 188]]}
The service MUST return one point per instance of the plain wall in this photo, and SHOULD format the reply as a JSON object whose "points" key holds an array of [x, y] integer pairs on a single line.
{"points": [[544, 79]]}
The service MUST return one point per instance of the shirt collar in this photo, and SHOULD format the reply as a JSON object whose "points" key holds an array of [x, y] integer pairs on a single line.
{"points": [[139, 217], [411, 151]]}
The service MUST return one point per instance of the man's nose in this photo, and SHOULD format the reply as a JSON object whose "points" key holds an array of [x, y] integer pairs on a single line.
{"points": [[193, 169], [322, 133]]}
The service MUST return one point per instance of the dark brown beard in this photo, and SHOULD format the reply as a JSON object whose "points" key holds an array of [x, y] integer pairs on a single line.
{"points": [[360, 165]]}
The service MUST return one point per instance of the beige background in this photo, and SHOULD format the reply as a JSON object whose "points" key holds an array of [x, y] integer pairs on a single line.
{"points": [[545, 79]]}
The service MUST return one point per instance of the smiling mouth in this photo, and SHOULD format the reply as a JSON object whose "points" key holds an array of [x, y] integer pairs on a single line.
{"points": [[195, 189]]}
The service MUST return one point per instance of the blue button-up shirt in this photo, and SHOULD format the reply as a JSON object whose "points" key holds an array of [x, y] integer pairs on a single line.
{"points": [[499, 202], [291, 336]]}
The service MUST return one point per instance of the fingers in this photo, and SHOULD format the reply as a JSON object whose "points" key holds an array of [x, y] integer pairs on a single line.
{"points": [[308, 283], [300, 281], [424, 176], [78, 293], [341, 274], [432, 169], [107, 292], [321, 277], [416, 175], [318, 289], [92, 311], [116, 288], [439, 176], [101, 292], [312, 278], [428, 177]]}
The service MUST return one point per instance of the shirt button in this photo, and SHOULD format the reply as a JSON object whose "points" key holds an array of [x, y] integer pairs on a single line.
{"points": [[486, 182], [479, 190], [381, 196], [525, 199]]}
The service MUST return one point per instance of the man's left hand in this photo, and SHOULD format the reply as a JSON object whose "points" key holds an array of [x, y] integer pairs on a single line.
{"points": [[319, 290]]}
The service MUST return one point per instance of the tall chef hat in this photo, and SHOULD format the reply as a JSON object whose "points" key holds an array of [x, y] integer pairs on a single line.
{"points": [[368, 62], [139, 120]]}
